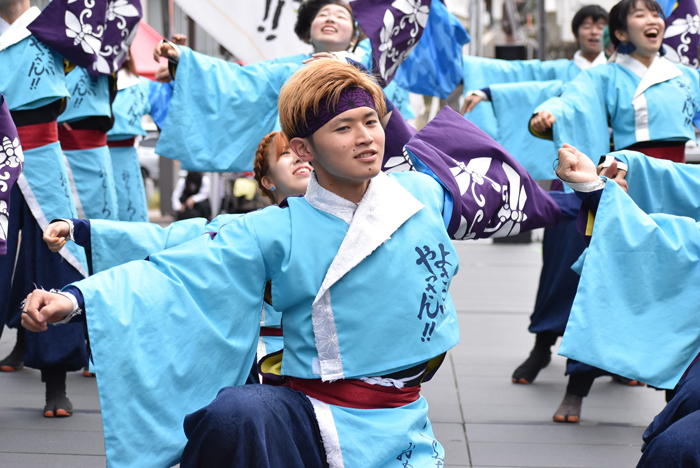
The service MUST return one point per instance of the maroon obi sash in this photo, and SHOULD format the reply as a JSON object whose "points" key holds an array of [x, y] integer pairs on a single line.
{"points": [[354, 393], [80, 139], [36, 136], [671, 152], [122, 143], [269, 331]]}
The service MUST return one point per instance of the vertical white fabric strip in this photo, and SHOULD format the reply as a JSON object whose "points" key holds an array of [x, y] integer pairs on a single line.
{"points": [[262, 349], [326, 336], [329, 433], [641, 118], [43, 222]]}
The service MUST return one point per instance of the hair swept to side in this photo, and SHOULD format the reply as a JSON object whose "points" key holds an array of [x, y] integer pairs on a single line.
{"points": [[322, 79], [262, 164]]}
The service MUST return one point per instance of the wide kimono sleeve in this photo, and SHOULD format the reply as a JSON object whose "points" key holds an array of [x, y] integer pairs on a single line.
{"points": [[480, 72], [487, 193], [167, 334], [636, 307], [220, 111], [513, 105], [114, 243], [581, 113]]}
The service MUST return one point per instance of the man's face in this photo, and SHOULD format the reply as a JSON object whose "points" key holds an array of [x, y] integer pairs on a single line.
{"points": [[349, 148], [590, 35]]}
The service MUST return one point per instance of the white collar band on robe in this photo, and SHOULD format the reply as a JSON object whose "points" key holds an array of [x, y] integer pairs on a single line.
{"points": [[18, 31], [583, 63], [125, 79], [4, 25], [384, 208]]}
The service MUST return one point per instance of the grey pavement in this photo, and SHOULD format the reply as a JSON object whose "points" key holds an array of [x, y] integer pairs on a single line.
{"points": [[481, 418]]}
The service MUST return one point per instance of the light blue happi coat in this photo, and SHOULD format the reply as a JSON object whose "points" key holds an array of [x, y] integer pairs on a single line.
{"points": [[635, 312], [89, 97], [480, 72], [657, 104], [220, 111], [190, 280], [32, 77], [513, 104]]}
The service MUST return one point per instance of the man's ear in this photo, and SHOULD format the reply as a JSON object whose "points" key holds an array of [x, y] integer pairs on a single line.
{"points": [[302, 148]]}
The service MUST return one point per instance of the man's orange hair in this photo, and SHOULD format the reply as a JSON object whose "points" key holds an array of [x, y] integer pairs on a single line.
{"points": [[318, 80]]}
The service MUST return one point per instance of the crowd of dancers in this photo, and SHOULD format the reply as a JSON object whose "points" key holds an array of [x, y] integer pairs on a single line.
{"points": [[269, 333]]}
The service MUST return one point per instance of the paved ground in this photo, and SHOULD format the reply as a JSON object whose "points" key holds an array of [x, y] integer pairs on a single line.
{"points": [[479, 416]]}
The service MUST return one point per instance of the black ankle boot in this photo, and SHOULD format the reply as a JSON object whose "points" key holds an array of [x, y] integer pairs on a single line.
{"points": [[539, 358], [15, 360], [57, 403]]}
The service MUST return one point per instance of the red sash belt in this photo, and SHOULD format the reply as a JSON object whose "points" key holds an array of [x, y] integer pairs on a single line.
{"points": [[80, 139], [122, 143], [354, 393], [36, 136], [675, 153], [269, 331]]}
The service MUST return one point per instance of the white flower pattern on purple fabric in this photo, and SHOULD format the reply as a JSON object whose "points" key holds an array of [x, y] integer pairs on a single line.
{"points": [[683, 27], [82, 33], [11, 157], [416, 14]]}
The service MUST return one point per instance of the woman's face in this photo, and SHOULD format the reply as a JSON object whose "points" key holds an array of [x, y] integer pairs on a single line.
{"points": [[645, 30], [331, 30], [289, 174]]}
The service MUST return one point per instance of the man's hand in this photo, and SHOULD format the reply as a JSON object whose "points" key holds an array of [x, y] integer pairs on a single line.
{"points": [[189, 203], [470, 103], [179, 39], [542, 122], [612, 173], [163, 49], [43, 307], [574, 166], [55, 235], [163, 74]]}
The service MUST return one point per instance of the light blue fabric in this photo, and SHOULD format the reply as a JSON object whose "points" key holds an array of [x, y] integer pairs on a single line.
{"points": [[159, 96], [115, 243], [161, 312], [50, 194], [513, 104], [128, 183], [399, 96], [129, 106], [94, 182], [211, 291], [220, 111], [405, 433], [635, 312], [88, 97], [273, 344], [479, 72], [667, 6], [433, 68], [32, 75], [583, 109]]}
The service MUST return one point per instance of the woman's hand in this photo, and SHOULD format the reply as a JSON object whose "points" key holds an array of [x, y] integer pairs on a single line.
{"points": [[55, 235], [322, 55], [542, 121], [470, 103], [574, 166]]}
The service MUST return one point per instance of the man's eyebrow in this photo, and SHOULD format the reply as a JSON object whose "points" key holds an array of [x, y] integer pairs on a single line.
{"points": [[349, 119]]}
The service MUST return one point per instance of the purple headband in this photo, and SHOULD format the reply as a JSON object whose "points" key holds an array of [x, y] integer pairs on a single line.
{"points": [[350, 98]]}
